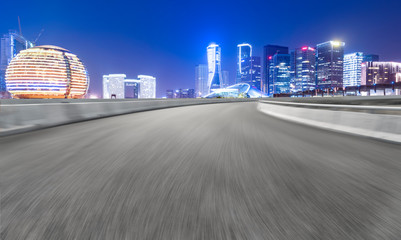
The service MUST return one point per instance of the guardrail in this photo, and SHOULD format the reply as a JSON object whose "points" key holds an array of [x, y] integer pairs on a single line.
{"points": [[342, 107], [25, 115], [380, 122]]}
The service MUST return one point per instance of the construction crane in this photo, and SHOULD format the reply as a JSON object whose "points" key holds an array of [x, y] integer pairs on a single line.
{"points": [[37, 38], [19, 25]]}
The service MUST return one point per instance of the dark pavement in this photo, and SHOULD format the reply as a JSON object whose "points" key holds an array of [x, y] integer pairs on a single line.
{"points": [[220, 171]]}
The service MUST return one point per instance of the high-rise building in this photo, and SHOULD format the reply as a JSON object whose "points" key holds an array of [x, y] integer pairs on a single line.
{"points": [[114, 86], [169, 93], [225, 79], [370, 58], [214, 67], [201, 80], [131, 88], [256, 73], [352, 69], [10, 45], [280, 74], [268, 52], [244, 54], [303, 69], [329, 64], [147, 86], [380, 73]]}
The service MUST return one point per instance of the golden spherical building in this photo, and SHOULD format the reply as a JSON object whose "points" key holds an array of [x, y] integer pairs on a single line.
{"points": [[46, 72]]}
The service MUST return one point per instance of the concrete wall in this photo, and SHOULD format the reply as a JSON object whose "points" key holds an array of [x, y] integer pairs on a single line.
{"points": [[24, 115], [381, 122]]}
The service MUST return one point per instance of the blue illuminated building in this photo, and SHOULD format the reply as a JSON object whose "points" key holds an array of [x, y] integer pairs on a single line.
{"points": [[329, 65], [280, 74], [214, 67], [268, 52]]}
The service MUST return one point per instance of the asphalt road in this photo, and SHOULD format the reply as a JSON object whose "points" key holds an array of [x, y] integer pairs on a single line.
{"points": [[220, 171]]}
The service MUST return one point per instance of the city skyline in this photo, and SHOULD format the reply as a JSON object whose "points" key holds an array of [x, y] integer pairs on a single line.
{"points": [[123, 44]]}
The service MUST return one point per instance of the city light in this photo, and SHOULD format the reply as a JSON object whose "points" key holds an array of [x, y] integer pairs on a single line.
{"points": [[46, 72]]}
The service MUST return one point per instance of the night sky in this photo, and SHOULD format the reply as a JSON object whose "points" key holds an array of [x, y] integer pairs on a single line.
{"points": [[167, 39]]}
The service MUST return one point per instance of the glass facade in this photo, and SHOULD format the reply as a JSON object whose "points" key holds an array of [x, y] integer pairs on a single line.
{"points": [[131, 88], [214, 67], [329, 64], [303, 69], [244, 54], [47, 72], [268, 52], [201, 80], [380, 73], [225, 78], [240, 90], [352, 69], [280, 74], [10, 45]]}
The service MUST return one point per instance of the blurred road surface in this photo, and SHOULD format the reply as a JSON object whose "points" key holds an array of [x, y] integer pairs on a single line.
{"points": [[220, 171]]}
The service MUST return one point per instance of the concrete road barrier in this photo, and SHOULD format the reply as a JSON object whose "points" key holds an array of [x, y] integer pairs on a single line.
{"points": [[24, 115], [380, 122]]}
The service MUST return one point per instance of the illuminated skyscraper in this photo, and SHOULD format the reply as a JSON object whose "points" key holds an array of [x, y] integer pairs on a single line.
{"points": [[214, 66], [255, 73], [201, 80], [114, 86], [244, 54], [11, 44], [268, 52], [147, 86], [329, 64], [280, 74], [352, 69], [303, 69]]}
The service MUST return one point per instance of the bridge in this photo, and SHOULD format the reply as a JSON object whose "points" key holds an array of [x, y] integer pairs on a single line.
{"points": [[201, 169]]}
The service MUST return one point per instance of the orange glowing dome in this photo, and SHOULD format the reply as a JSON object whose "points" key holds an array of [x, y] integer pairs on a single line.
{"points": [[46, 72]]}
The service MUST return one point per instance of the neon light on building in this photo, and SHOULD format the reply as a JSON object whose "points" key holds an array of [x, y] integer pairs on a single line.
{"points": [[47, 72], [214, 66]]}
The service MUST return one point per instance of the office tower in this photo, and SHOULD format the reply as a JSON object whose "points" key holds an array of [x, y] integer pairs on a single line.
{"points": [[147, 86], [225, 79], [329, 64], [280, 74], [268, 52], [370, 58], [352, 69], [46, 72], [201, 80], [244, 54], [131, 88], [187, 93], [303, 69], [374, 73], [255, 73], [169, 93], [214, 66], [114, 86], [10, 45]]}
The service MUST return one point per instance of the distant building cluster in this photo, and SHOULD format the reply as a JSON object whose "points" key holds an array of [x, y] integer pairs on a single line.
{"points": [[181, 93], [323, 67], [119, 87]]}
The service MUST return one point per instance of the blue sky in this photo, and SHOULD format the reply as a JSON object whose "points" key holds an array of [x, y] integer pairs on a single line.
{"points": [[167, 39]]}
